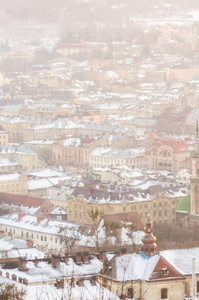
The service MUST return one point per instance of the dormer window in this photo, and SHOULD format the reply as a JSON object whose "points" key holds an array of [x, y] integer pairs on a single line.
{"points": [[164, 271]]}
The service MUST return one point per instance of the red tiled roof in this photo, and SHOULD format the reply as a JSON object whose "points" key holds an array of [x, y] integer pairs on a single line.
{"points": [[178, 146], [164, 270], [19, 200]]}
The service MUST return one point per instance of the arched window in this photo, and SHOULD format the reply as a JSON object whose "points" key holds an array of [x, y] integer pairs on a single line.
{"points": [[165, 153]]}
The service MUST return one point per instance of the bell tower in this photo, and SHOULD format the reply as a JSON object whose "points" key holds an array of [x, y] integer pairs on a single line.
{"points": [[194, 180], [149, 246]]}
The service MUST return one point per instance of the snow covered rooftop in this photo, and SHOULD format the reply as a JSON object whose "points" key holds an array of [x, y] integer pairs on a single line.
{"points": [[44, 225], [49, 291]]}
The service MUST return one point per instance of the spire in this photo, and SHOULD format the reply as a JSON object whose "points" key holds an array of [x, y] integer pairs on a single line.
{"points": [[149, 246]]}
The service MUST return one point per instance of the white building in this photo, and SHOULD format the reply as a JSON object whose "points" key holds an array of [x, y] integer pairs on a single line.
{"points": [[104, 156]]}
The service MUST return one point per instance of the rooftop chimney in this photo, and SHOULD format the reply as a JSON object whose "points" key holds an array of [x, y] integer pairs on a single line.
{"points": [[86, 257], [93, 280], [55, 260], [39, 219], [122, 251], [66, 258], [81, 282], [20, 215], [22, 264], [14, 277], [25, 281], [78, 258], [20, 279], [59, 283]]}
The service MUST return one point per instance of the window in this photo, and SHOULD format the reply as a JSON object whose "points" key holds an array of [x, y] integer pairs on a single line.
{"points": [[130, 293], [197, 286], [164, 293]]}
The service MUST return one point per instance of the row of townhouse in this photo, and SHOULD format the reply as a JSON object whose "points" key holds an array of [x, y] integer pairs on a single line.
{"points": [[44, 232], [157, 154]]}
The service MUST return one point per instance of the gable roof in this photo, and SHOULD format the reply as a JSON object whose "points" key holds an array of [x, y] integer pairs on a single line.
{"points": [[181, 259], [131, 267]]}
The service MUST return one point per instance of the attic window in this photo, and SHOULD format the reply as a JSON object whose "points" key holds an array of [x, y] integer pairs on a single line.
{"points": [[164, 271]]}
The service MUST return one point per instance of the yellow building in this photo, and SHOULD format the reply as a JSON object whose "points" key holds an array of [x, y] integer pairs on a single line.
{"points": [[9, 165], [27, 158], [15, 128], [178, 73], [160, 205], [14, 183], [3, 137]]}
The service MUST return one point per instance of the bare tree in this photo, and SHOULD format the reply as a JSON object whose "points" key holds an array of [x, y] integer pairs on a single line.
{"points": [[10, 291], [69, 238]]}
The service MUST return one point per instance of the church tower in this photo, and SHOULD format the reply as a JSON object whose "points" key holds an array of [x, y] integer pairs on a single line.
{"points": [[149, 247], [194, 209]]}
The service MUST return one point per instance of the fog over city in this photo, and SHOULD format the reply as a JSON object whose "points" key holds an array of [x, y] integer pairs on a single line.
{"points": [[99, 149]]}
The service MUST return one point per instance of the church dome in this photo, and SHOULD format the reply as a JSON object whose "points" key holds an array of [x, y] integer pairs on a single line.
{"points": [[183, 204]]}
